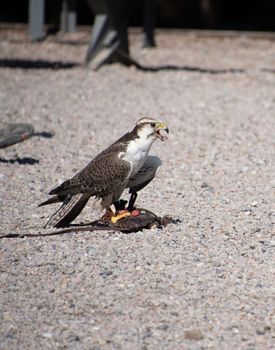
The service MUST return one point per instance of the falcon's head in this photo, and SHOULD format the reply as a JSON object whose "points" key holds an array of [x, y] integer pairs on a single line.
{"points": [[151, 128]]}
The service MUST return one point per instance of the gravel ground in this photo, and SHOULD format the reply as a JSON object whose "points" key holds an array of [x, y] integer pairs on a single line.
{"points": [[203, 283]]}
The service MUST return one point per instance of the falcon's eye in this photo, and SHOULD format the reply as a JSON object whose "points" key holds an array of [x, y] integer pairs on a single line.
{"points": [[153, 125]]}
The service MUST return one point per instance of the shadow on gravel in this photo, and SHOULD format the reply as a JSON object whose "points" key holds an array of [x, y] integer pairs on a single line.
{"points": [[21, 161], [269, 70], [45, 134], [12, 139], [55, 65], [36, 64], [171, 67]]}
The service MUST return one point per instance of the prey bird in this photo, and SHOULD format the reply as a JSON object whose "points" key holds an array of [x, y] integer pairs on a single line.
{"points": [[124, 164]]}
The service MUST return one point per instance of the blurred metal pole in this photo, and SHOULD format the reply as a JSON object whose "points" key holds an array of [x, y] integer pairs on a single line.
{"points": [[149, 18], [109, 40], [68, 16], [36, 19]]}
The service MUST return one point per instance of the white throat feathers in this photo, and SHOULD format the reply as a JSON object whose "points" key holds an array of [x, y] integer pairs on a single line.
{"points": [[137, 149]]}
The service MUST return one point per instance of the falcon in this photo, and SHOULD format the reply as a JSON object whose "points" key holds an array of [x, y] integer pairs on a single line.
{"points": [[124, 164]]}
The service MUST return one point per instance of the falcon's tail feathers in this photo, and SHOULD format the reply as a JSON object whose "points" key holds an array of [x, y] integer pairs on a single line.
{"points": [[54, 199], [69, 210]]}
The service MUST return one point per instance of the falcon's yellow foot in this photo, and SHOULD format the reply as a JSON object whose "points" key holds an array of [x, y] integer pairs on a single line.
{"points": [[122, 214]]}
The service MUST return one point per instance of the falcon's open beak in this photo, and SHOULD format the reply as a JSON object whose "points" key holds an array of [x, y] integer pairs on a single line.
{"points": [[159, 127]]}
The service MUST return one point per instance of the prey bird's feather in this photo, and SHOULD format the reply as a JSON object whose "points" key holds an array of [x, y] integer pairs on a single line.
{"points": [[145, 175]]}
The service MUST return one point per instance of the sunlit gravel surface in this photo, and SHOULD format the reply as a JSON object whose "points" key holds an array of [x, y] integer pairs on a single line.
{"points": [[205, 282]]}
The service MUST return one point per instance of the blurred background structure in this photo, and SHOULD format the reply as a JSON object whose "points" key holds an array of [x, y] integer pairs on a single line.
{"points": [[110, 20], [212, 14]]}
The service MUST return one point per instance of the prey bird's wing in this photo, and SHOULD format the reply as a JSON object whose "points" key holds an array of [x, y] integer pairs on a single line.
{"points": [[145, 175]]}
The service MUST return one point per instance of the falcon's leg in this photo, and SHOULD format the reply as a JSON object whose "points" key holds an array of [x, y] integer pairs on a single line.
{"points": [[132, 201]]}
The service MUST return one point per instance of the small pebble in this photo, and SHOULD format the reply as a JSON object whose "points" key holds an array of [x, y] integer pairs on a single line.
{"points": [[193, 334], [47, 335]]}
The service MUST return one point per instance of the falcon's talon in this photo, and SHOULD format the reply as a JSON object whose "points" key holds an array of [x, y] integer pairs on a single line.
{"points": [[118, 217]]}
